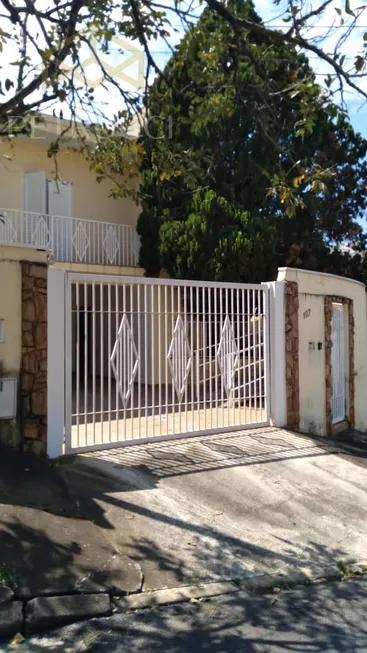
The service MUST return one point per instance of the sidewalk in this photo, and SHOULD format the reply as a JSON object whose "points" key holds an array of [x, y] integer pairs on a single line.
{"points": [[45, 543]]}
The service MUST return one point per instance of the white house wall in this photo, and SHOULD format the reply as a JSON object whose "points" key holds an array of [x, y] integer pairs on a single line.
{"points": [[90, 200]]}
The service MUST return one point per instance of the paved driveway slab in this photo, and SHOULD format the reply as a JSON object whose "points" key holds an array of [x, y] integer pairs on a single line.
{"points": [[46, 545], [227, 506]]}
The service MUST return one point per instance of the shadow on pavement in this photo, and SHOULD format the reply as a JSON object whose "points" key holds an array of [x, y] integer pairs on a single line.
{"points": [[46, 544], [327, 618], [52, 537]]}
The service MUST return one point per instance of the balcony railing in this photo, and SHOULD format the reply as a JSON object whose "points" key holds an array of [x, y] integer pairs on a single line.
{"points": [[71, 239]]}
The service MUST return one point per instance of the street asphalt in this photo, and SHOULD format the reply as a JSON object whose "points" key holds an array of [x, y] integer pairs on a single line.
{"points": [[321, 618]]}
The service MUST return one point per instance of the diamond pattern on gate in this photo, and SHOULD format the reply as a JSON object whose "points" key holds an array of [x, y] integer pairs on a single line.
{"points": [[80, 241], [8, 234], [227, 356], [125, 360], [111, 245], [179, 358], [41, 236]]}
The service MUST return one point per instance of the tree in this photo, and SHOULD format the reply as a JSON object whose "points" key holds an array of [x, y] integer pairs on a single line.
{"points": [[39, 37], [265, 183], [45, 46]]}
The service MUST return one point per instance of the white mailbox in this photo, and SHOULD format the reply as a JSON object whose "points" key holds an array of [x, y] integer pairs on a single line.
{"points": [[8, 398]]}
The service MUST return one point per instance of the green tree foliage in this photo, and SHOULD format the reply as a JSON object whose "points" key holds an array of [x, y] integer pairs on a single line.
{"points": [[237, 178]]}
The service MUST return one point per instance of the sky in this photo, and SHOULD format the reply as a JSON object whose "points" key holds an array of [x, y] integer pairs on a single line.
{"points": [[357, 112], [110, 101], [270, 13]]}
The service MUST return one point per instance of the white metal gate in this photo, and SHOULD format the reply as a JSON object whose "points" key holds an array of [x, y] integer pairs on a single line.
{"points": [[149, 359], [337, 364]]}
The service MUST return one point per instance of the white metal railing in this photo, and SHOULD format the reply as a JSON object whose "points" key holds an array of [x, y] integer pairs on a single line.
{"points": [[71, 239]]}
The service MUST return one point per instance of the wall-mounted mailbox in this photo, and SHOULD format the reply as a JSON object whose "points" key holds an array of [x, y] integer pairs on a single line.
{"points": [[8, 398]]}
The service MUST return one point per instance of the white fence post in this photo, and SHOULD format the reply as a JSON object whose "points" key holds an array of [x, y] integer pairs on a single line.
{"points": [[277, 353], [55, 361]]}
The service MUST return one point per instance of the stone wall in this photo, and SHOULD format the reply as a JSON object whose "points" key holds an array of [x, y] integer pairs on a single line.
{"points": [[328, 310], [33, 378], [292, 354]]}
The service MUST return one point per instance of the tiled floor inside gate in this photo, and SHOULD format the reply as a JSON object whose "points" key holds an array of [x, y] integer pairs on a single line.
{"points": [[99, 417], [87, 434]]}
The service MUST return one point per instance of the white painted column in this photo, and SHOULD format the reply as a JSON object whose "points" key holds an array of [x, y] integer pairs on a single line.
{"points": [[277, 353], [55, 361]]}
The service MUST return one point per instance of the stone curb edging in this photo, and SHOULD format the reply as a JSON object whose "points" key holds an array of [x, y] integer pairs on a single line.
{"points": [[260, 583], [26, 616], [29, 616], [175, 595]]}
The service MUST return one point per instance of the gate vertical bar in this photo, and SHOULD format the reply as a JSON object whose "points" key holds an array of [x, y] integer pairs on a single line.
{"points": [[165, 353], [197, 358], [77, 346], [159, 329], [146, 359], [109, 362], [185, 329], [221, 320], [210, 354], [238, 421], [94, 341], [152, 347], [117, 394], [101, 304], [86, 349], [248, 350], [204, 355], [56, 361], [180, 356], [140, 361]]}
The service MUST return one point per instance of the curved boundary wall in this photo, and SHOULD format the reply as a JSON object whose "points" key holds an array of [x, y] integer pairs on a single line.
{"points": [[308, 311]]}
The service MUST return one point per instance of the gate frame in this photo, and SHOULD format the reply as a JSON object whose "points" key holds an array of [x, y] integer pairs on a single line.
{"points": [[55, 361], [59, 357]]}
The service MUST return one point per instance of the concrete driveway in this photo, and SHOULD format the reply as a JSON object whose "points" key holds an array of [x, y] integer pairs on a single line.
{"points": [[227, 506]]}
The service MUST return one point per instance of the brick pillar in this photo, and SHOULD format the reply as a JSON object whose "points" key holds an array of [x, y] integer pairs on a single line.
{"points": [[33, 378], [292, 355]]}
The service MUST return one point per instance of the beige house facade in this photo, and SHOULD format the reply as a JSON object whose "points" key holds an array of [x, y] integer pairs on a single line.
{"points": [[59, 206], [85, 198], [63, 219]]}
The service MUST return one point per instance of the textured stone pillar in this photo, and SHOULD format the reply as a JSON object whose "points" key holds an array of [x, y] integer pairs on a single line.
{"points": [[33, 381], [292, 355]]}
